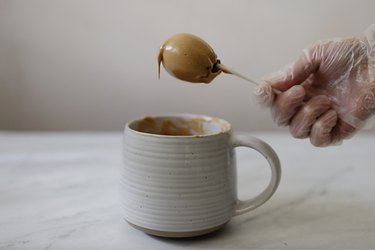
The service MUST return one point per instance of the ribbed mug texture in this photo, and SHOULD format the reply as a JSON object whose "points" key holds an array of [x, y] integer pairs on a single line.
{"points": [[178, 184]]}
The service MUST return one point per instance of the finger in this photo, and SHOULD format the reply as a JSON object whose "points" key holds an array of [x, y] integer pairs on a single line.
{"points": [[301, 124], [320, 135], [296, 73], [286, 105]]}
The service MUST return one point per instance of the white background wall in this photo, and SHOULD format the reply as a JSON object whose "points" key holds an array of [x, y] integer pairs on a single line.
{"points": [[91, 64]]}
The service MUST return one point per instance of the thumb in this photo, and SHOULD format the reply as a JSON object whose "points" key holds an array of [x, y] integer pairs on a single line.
{"points": [[264, 95], [296, 73]]}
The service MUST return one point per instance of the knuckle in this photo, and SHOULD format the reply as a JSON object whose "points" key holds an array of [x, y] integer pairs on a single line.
{"points": [[318, 142], [299, 132]]}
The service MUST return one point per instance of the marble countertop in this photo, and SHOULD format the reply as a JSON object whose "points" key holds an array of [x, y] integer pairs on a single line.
{"points": [[61, 191]]}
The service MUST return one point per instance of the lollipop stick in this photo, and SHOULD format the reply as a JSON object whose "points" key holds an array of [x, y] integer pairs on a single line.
{"points": [[227, 70]]}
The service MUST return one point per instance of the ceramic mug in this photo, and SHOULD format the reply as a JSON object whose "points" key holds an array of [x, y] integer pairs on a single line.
{"points": [[179, 175]]}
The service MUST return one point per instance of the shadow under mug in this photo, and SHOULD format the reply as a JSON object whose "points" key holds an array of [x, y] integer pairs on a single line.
{"points": [[179, 174]]}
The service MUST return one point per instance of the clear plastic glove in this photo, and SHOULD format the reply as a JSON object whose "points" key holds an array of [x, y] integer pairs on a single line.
{"points": [[328, 93]]}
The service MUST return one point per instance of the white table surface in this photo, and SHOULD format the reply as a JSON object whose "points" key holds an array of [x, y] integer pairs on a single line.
{"points": [[60, 191]]}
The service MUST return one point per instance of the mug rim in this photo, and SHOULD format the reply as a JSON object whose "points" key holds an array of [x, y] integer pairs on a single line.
{"points": [[227, 127]]}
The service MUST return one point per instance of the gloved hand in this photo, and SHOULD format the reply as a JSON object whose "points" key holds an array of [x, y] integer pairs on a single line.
{"points": [[328, 93]]}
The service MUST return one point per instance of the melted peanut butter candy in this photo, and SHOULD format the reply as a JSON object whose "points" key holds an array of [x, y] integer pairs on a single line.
{"points": [[169, 128], [188, 58], [175, 127]]}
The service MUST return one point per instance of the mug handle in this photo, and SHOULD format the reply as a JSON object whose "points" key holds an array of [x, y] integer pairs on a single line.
{"points": [[245, 140]]}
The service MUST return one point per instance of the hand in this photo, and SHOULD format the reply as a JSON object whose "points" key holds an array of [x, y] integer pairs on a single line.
{"points": [[328, 93]]}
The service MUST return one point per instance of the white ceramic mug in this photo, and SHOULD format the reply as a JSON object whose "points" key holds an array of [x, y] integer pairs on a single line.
{"points": [[179, 176]]}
